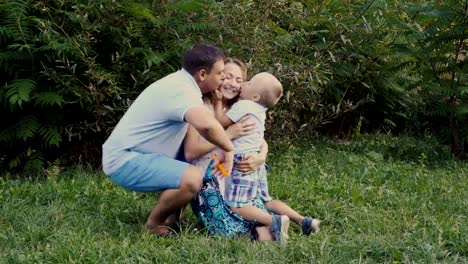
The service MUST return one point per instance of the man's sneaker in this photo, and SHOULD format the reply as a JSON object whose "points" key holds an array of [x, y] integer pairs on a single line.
{"points": [[310, 225], [279, 228]]}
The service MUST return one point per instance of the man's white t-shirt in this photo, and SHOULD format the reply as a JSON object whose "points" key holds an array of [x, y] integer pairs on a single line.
{"points": [[154, 123], [252, 142]]}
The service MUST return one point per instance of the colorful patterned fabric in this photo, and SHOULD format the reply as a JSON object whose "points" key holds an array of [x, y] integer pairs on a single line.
{"points": [[212, 211]]}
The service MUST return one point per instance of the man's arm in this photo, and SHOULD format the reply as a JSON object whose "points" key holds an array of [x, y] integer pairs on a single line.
{"points": [[194, 147], [203, 121]]}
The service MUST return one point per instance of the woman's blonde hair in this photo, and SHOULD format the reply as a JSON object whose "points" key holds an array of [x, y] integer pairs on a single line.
{"points": [[238, 63], [243, 68]]}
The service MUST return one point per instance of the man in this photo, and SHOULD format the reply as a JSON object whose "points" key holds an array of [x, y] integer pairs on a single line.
{"points": [[140, 154]]}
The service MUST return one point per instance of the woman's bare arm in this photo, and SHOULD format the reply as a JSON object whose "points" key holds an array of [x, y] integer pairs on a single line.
{"points": [[252, 162]]}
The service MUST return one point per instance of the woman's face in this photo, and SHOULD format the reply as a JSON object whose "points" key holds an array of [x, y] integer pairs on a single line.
{"points": [[233, 79]]}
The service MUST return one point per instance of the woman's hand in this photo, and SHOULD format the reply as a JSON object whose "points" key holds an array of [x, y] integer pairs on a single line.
{"points": [[251, 163], [244, 127]]}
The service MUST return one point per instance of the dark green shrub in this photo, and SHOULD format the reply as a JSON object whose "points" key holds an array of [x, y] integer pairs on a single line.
{"points": [[71, 68]]}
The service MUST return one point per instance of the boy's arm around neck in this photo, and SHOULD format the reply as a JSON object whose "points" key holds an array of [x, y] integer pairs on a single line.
{"points": [[220, 115]]}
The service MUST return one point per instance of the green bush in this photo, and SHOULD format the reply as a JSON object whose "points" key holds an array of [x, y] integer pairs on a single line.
{"points": [[70, 69]]}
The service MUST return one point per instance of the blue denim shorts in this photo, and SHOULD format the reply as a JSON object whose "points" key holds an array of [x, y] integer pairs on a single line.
{"points": [[149, 172]]}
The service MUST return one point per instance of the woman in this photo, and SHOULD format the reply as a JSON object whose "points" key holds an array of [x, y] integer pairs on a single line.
{"points": [[209, 206]]}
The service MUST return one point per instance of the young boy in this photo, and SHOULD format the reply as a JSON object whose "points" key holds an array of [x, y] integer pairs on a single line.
{"points": [[247, 195]]}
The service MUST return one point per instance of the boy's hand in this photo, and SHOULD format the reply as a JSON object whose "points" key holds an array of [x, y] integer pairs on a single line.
{"points": [[245, 126], [216, 95]]}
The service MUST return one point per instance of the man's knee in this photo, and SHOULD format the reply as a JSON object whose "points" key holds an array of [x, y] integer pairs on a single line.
{"points": [[192, 179]]}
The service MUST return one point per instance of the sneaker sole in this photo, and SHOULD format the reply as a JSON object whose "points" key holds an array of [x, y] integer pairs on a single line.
{"points": [[284, 229], [315, 226]]}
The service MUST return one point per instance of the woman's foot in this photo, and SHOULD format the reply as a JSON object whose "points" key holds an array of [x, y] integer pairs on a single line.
{"points": [[310, 225]]}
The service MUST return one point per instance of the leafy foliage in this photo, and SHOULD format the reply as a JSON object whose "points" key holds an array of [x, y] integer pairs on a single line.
{"points": [[69, 69], [441, 51]]}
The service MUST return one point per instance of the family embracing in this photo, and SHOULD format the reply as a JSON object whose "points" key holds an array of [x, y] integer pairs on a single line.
{"points": [[178, 129]]}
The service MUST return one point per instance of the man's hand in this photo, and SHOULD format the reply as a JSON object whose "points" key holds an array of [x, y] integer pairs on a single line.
{"points": [[227, 160]]}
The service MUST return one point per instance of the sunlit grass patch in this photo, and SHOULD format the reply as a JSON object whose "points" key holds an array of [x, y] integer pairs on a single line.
{"points": [[376, 207]]}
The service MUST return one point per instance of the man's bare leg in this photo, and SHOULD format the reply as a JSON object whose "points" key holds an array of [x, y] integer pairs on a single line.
{"points": [[170, 201], [174, 218]]}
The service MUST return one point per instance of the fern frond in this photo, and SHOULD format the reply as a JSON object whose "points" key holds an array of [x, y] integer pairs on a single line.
{"points": [[48, 99], [60, 45], [19, 91], [5, 35], [16, 19], [462, 111], [8, 135], [15, 162], [54, 168], [51, 135], [389, 122], [186, 6], [34, 160], [462, 90], [139, 10], [153, 58], [34, 164], [26, 127], [21, 47]]}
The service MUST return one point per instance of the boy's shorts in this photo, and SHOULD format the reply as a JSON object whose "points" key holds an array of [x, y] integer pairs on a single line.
{"points": [[242, 189], [149, 172], [262, 192]]}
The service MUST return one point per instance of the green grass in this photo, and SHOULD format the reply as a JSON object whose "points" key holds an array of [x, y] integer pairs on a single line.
{"points": [[381, 199]]}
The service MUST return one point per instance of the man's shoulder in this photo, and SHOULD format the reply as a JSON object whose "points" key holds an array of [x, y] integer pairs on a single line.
{"points": [[175, 84], [177, 77]]}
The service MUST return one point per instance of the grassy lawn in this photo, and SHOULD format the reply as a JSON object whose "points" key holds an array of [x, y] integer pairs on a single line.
{"points": [[381, 199]]}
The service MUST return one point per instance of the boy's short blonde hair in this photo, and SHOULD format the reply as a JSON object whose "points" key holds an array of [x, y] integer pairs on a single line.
{"points": [[271, 90], [270, 97]]}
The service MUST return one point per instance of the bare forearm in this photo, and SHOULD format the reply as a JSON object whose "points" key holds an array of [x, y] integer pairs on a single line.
{"points": [[202, 149], [203, 121], [221, 115], [216, 135]]}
